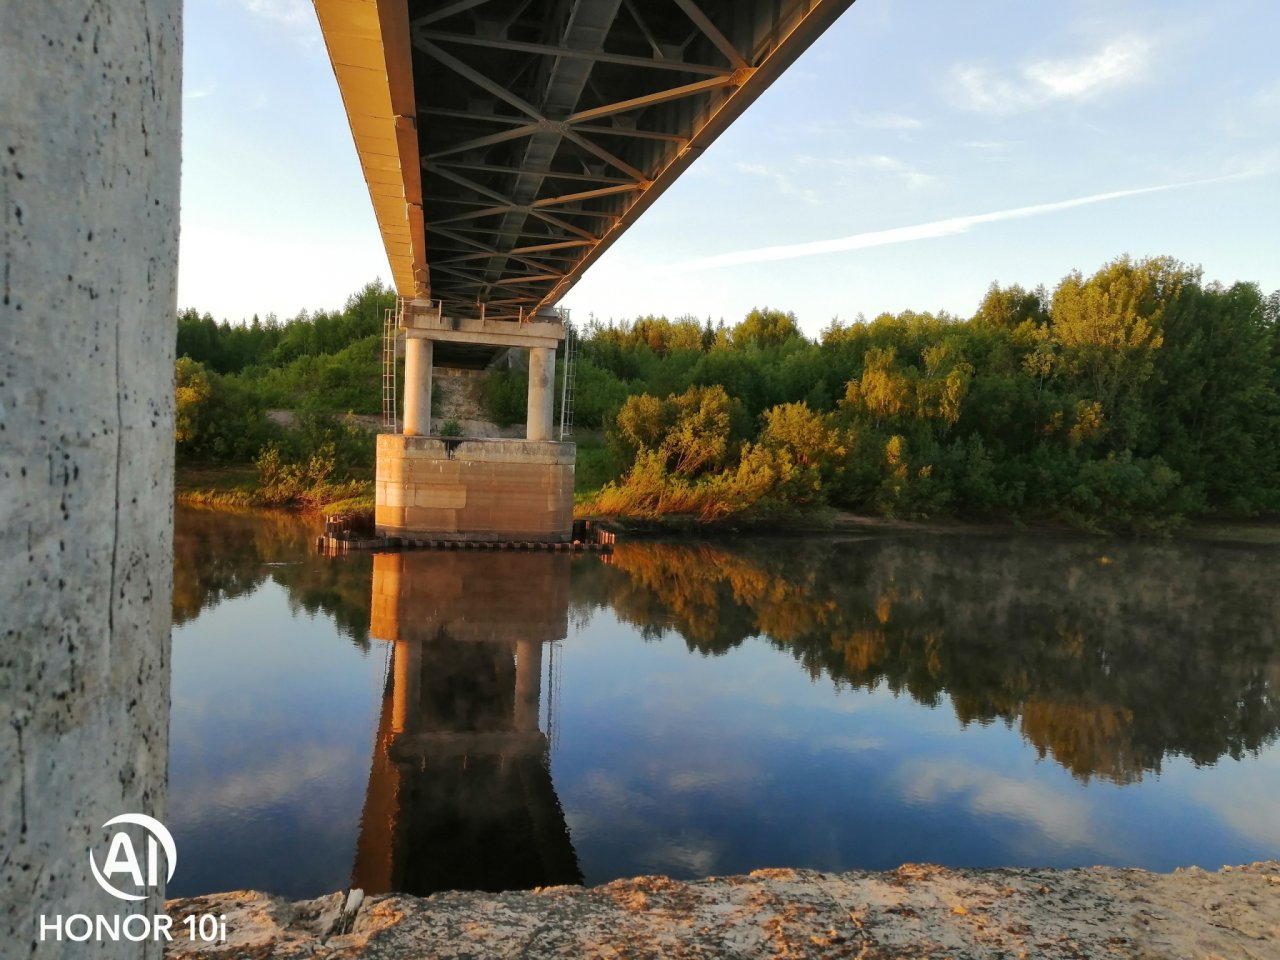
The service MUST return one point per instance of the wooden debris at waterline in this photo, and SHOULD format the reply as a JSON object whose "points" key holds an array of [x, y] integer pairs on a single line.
{"points": [[347, 534]]}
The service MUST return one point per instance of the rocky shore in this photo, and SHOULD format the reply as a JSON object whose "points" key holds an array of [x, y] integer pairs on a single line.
{"points": [[916, 911]]}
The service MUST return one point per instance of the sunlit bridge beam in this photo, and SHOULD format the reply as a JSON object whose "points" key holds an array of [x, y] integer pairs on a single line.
{"points": [[588, 195], [662, 96]]}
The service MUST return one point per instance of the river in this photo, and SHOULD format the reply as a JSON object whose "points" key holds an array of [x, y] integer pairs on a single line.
{"points": [[477, 720]]}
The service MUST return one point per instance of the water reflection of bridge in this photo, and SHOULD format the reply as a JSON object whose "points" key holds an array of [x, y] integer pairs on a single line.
{"points": [[460, 793]]}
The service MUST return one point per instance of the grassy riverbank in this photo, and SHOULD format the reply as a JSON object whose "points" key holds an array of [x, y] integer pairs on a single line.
{"points": [[240, 486]]}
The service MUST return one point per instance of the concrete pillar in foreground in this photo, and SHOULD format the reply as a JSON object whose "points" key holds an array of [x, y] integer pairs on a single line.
{"points": [[542, 380], [90, 99], [417, 387]]}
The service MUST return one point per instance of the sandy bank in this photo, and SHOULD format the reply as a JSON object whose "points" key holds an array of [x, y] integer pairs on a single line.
{"points": [[916, 911]]}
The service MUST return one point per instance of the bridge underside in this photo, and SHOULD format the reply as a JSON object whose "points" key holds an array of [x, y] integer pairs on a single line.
{"points": [[508, 143]]}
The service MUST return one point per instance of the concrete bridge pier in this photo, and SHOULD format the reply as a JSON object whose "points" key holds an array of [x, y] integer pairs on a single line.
{"points": [[542, 381], [417, 387], [445, 488]]}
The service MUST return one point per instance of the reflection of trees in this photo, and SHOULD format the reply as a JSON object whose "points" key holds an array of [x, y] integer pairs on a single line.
{"points": [[1108, 663], [220, 555]]}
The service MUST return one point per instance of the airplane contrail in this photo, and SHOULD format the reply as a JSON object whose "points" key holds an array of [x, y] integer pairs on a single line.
{"points": [[923, 231]]}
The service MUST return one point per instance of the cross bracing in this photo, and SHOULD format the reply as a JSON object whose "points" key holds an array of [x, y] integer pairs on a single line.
{"points": [[530, 134]]}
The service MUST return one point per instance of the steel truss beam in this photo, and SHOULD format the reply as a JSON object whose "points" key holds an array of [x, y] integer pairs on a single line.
{"points": [[529, 126], [550, 50]]}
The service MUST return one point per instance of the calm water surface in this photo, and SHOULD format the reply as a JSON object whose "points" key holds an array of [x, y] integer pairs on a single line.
{"points": [[430, 721]]}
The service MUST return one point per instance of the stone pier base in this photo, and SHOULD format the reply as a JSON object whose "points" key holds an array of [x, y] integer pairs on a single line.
{"points": [[464, 489]]}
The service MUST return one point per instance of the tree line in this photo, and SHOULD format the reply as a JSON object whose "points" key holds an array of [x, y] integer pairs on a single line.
{"points": [[319, 365], [1125, 399], [1129, 398]]}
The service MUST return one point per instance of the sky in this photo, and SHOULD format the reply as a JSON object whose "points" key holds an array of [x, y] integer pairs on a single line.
{"points": [[917, 152]]}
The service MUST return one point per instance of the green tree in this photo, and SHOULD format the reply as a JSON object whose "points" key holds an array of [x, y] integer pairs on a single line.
{"points": [[191, 393], [766, 328]]}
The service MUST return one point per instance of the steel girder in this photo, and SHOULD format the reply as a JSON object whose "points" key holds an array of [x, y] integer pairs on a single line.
{"points": [[544, 128]]}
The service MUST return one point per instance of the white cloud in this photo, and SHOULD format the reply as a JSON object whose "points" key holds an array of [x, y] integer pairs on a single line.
{"points": [[781, 180], [857, 168], [297, 17], [295, 12], [199, 93], [1049, 81], [924, 231], [887, 121], [881, 163], [1267, 100], [988, 146]]}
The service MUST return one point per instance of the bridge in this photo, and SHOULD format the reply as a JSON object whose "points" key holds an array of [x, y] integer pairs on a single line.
{"points": [[506, 144]]}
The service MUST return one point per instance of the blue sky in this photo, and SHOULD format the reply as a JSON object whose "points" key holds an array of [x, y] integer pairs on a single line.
{"points": [[918, 151]]}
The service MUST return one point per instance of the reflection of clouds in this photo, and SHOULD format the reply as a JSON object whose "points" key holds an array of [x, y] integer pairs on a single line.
{"points": [[688, 856], [610, 810], [302, 779], [1057, 818], [1252, 814], [850, 744], [687, 781], [1243, 794], [725, 773], [602, 789]]}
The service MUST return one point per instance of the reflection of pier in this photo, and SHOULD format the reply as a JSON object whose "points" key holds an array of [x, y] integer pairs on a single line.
{"points": [[460, 793]]}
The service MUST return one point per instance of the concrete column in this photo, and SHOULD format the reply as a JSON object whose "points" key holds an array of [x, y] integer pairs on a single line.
{"points": [[417, 387], [528, 684], [90, 103], [542, 382]]}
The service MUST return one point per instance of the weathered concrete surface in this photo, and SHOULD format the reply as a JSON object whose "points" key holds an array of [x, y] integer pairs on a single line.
{"points": [[912, 912], [417, 387], [90, 95], [473, 489], [542, 381]]}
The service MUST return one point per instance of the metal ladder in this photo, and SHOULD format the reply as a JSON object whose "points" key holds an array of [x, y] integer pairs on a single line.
{"points": [[570, 373], [390, 338]]}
